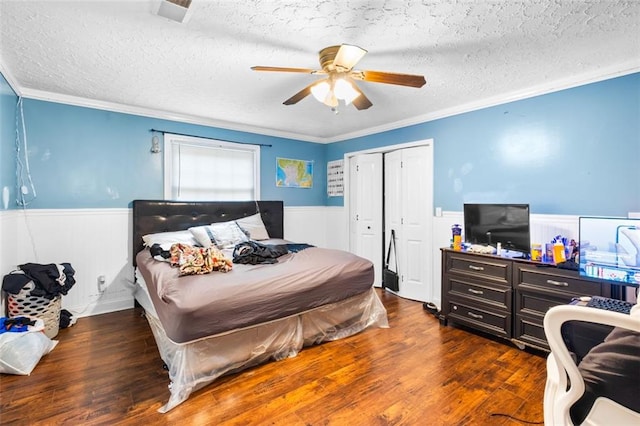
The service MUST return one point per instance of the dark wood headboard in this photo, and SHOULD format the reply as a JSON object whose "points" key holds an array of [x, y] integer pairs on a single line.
{"points": [[151, 216]]}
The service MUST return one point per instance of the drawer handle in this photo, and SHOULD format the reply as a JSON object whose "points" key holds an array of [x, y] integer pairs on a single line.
{"points": [[476, 316], [476, 268], [558, 283], [475, 291]]}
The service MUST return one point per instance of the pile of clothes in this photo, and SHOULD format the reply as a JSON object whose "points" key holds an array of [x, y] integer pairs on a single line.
{"points": [[253, 253], [50, 281], [198, 260]]}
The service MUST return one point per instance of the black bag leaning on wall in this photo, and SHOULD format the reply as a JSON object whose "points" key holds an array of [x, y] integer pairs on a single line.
{"points": [[389, 277]]}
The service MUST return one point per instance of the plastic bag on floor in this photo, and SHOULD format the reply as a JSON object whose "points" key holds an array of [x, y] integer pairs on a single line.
{"points": [[20, 352]]}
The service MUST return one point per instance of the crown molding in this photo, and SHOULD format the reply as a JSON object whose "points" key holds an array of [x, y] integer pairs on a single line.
{"points": [[542, 89], [9, 77], [160, 114], [606, 73]]}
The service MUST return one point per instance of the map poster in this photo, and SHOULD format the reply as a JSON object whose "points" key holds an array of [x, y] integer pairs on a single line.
{"points": [[294, 173]]}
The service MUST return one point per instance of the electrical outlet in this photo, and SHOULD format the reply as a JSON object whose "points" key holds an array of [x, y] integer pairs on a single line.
{"points": [[102, 283]]}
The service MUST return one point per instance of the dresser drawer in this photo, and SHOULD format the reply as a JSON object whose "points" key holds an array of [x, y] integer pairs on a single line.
{"points": [[530, 331], [538, 303], [496, 323], [499, 296], [554, 280], [484, 268]]}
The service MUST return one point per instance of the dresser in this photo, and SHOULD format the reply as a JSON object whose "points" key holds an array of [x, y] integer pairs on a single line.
{"points": [[508, 298]]}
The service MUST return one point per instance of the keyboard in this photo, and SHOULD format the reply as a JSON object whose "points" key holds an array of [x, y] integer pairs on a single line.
{"points": [[607, 304]]}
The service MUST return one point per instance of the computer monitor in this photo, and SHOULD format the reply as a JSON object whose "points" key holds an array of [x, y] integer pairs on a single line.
{"points": [[610, 249]]}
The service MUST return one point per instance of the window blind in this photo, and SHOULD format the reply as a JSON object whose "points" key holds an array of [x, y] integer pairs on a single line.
{"points": [[212, 172]]}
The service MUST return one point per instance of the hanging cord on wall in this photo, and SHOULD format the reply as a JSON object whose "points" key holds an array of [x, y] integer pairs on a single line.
{"points": [[23, 172]]}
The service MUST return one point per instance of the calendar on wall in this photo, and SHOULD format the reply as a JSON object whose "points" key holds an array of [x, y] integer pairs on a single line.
{"points": [[335, 178]]}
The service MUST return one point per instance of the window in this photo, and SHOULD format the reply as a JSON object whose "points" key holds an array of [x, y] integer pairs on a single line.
{"points": [[197, 169]]}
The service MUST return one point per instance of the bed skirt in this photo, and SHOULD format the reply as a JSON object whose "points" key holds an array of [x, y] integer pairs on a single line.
{"points": [[195, 364]]}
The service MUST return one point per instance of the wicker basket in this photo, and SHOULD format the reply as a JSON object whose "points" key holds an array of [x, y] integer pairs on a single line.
{"points": [[48, 310]]}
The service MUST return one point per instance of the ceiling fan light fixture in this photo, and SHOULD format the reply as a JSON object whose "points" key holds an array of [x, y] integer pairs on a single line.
{"points": [[344, 90], [175, 10], [331, 100], [337, 64], [347, 56], [320, 90]]}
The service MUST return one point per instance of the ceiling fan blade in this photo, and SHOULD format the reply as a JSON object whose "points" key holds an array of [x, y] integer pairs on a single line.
{"points": [[285, 69], [348, 56], [410, 80], [300, 95], [361, 102]]}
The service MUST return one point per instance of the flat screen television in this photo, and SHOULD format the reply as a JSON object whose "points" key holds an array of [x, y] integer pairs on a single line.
{"points": [[610, 249], [490, 224]]}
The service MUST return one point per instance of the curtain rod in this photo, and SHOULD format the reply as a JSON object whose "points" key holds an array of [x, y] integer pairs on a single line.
{"points": [[204, 137]]}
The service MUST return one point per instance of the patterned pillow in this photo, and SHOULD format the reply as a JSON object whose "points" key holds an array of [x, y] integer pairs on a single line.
{"points": [[222, 234], [203, 235]]}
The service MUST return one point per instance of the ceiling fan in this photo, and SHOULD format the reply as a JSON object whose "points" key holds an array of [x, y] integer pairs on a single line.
{"points": [[337, 64]]}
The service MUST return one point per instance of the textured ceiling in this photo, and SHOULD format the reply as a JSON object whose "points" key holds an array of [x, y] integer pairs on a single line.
{"points": [[121, 53]]}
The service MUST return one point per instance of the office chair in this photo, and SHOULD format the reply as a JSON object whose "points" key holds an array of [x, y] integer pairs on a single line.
{"points": [[565, 384]]}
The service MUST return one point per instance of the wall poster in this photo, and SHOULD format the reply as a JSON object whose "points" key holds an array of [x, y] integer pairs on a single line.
{"points": [[335, 178], [294, 173]]}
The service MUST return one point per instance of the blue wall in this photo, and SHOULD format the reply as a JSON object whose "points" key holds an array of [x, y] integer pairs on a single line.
{"points": [[576, 151], [88, 158], [8, 100]]}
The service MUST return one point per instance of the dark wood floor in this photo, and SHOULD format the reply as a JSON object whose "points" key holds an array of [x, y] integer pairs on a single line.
{"points": [[106, 370]]}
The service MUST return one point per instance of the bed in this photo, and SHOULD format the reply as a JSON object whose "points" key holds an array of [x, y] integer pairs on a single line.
{"points": [[209, 325]]}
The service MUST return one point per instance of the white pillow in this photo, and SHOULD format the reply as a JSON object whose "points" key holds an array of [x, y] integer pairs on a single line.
{"points": [[254, 226], [166, 239], [222, 234]]}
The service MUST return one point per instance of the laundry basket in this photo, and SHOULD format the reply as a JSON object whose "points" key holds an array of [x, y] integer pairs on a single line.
{"points": [[48, 310]]}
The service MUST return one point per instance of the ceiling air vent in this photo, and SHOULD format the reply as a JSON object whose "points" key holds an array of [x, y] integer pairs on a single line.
{"points": [[176, 10]]}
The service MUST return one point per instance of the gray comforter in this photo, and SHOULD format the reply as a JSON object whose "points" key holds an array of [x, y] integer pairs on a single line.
{"points": [[197, 306]]}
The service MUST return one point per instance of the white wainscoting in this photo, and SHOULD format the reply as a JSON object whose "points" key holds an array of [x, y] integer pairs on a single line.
{"points": [[305, 225], [94, 241], [97, 242], [8, 242]]}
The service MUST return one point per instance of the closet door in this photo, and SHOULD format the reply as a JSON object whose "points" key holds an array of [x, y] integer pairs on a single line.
{"points": [[365, 209], [408, 210], [393, 209]]}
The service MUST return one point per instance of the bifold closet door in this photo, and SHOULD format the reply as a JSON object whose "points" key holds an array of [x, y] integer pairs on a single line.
{"points": [[365, 209], [408, 210]]}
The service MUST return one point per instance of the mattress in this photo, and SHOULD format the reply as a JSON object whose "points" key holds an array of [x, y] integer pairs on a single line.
{"points": [[197, 306]]}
